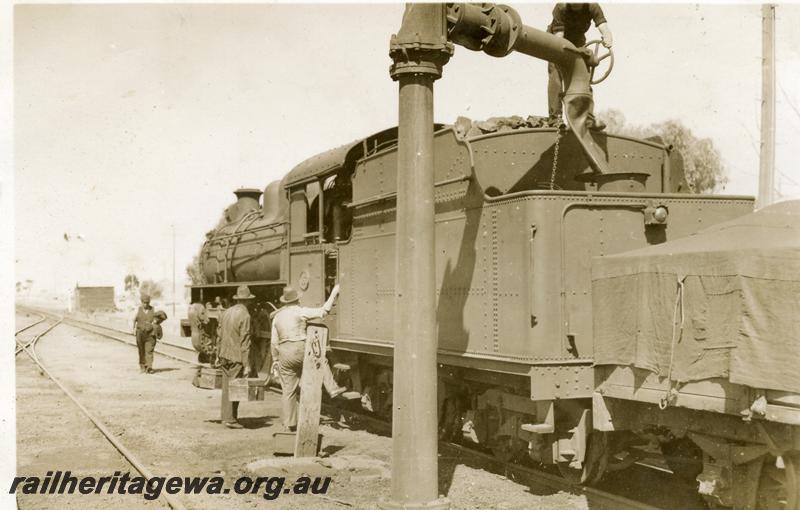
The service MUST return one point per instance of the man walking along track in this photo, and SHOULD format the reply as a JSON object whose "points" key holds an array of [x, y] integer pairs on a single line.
{"points": [[144, 329], [234, 351]]}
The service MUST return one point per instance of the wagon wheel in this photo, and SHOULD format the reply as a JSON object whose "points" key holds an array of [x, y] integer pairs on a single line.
{"points": [[779, 489], [684, 459]]}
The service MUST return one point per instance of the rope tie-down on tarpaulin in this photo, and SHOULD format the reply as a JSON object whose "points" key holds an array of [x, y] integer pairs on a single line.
{"points": [[672, 392]]}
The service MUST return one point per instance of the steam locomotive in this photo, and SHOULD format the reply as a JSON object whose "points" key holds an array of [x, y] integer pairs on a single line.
{"points": [[558, 339]]}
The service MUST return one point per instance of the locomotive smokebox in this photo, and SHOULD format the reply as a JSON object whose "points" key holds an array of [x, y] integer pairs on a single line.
{"points": [[245, 246]]}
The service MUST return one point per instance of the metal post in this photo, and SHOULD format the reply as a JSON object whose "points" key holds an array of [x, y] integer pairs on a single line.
{"points": [[766, 178], [418, 51]]}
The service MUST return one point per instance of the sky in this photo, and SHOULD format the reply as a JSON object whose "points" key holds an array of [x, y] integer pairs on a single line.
{"points": [[134, 122]]}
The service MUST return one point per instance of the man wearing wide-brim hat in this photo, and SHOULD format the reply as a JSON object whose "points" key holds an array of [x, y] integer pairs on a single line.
{"points": [[288, 346], [234, 351]]}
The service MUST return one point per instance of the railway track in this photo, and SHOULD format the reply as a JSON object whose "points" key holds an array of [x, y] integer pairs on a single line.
{"points": [[20, 344], [30, 349], [167, 349], [597, 498]]}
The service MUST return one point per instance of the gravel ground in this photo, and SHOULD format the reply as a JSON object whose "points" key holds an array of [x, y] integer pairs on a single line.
{"points": [[174, 429]]}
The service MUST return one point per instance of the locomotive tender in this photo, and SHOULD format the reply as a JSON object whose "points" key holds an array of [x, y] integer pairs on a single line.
{"points": [[516, 234]]}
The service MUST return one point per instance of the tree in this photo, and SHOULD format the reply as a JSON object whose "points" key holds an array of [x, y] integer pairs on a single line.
{"points": [[195, 271], [151, 288], [131, 282], [702, 163]]}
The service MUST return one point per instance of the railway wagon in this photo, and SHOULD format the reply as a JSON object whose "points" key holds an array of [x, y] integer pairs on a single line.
{"points": [[517, 228]]}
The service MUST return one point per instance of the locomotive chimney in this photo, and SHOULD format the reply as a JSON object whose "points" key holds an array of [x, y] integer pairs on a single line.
{"points": [[247, 199]]}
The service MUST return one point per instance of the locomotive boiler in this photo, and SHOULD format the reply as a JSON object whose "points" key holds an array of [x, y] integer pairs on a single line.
{"points": [[556, 344]]}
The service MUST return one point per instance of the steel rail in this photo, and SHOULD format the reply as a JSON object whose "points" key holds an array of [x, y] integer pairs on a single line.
{"points": [[20, 344], [75, 321], [32, 344], [29, 326], [122, 449], [90, 326], [117, 330]]}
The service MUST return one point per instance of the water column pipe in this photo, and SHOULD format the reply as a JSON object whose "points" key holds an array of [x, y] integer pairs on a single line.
{"points": [[418, 52]]}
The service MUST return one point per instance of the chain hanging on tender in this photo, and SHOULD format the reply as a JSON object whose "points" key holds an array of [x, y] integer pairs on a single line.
{"points": [[555, 160]]}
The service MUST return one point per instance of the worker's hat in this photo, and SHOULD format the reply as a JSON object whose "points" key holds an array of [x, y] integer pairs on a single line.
{"points": [[243, 292], [161, 314], [289, 296]]}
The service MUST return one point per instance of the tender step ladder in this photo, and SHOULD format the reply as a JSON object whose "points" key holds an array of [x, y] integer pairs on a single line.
{"points": [[548, 426]]}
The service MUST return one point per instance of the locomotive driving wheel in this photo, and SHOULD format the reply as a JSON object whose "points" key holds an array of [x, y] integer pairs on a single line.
{"points": [[779, 487]]}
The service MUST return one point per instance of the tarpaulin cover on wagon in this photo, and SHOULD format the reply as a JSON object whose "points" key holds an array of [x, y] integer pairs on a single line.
{"points": [[724, 302]]}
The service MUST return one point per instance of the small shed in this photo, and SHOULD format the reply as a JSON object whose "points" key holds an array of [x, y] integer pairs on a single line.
{"points": [[87, 299]]}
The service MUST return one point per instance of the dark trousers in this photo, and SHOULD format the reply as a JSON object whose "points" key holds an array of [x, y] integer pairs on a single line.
{"points": [[554, 92], [554, 86], [229, 411], [146, 343]]}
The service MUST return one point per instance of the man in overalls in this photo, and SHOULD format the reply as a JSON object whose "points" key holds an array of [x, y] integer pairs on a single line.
{"points": [[288, 343], [145, 334]]}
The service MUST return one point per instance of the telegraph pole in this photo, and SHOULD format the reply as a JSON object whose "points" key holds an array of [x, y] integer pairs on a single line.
{"points": [[418, 51], [766, 176]]}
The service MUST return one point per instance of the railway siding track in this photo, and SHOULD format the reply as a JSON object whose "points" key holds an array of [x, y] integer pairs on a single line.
{"points": [[167, 349], [22, 345], [597, 499], [29, 349], [29, 326]]}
